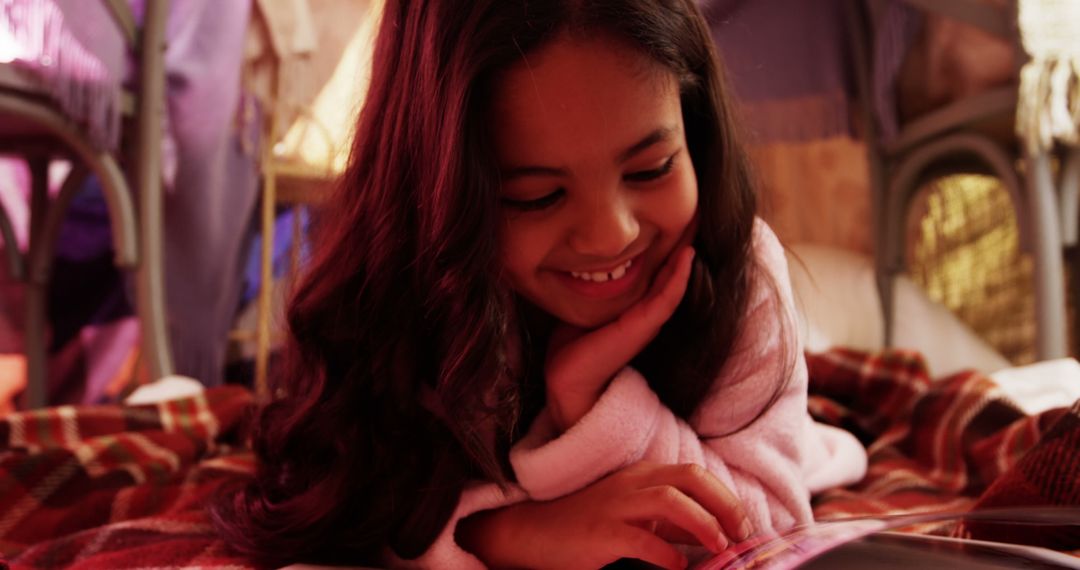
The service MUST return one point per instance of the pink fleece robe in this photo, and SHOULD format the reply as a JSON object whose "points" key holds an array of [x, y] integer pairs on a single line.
{"points": [[773, 466]]}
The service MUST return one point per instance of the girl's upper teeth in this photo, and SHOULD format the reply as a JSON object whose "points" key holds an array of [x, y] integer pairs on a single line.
{"points": [[602, 276]]}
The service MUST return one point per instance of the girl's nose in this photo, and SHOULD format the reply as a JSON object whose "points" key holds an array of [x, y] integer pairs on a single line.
{"points": [[606, 230]]}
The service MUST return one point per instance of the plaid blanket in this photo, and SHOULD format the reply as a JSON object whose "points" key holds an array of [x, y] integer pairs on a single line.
{"points": [[119, 487], [123, 487], [947, 445]]}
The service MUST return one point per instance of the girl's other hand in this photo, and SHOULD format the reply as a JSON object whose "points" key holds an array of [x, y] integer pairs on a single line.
{"points": [[637, 512], [580, 363]]}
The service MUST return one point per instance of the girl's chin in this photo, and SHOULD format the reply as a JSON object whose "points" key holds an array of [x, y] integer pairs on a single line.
{"points": [[592, 317]]}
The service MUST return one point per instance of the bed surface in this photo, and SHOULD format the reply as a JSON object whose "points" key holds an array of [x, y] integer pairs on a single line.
{"points": [[125, 486]]}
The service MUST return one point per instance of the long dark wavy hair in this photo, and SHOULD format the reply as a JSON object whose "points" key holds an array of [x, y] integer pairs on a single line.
{"points": [[398, 367]]}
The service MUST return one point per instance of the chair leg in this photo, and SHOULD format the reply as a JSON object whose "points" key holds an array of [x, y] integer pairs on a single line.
{"points": [[150, 280], [36, 327], [1049, 268], [857, 21], [887, 241], [11, 246], [46, 221], [41, 260], [266, 276], [1072, 271], [1069, 205]]}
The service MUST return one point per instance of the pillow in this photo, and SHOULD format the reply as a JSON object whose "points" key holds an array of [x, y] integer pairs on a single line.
{"points": [[1041, 386], [837, 300]]}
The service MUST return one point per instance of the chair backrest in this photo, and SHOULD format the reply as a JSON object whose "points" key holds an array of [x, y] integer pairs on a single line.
{"points": [[951, 62], [135, 243], [125, 20]]}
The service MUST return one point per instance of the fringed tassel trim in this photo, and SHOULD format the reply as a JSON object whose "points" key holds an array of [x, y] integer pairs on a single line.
{"points": [[1048, 109], [69, 74]]}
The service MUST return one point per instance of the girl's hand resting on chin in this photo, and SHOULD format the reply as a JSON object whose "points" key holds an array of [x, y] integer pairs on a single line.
{"points": [[637, 512], [581, 363]]}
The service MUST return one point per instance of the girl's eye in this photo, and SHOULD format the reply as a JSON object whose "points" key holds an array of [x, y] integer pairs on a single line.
{"points": [[540, 203], [648, 175]]}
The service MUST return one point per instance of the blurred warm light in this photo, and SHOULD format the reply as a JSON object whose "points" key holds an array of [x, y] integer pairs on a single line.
{"points": [[966, 254], [321, 136], [9, 48]]}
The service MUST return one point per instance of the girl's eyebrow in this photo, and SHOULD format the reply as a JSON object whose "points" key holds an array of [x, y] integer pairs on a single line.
{"points": [[657, 136], [523, 171]]}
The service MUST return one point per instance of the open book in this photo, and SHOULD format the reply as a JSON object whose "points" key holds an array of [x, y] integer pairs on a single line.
{"points": [[872, 542]]}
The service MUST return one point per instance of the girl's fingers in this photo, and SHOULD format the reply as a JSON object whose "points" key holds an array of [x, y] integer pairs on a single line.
{"points": [[656, 308], [672, 505], [644, 320], [665, 277], [633, 542], [673, 534], [708, 492], [579, 367], [625, 337], [637, 326], [672, 292]]}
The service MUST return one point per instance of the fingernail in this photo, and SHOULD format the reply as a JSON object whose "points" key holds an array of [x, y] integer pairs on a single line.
{"points": [[746, 529], [721, 542]]}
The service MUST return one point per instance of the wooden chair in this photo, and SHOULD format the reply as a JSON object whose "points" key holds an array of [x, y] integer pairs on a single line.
{"points": [[972, 135], [36, 129]]}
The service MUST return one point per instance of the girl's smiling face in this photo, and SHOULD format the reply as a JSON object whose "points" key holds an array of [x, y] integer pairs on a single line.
{"points": [[597, 186]]}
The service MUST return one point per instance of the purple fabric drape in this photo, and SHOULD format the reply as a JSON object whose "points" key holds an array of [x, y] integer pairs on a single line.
{"points": [[213, 195], [211, 179], [788, 64]]}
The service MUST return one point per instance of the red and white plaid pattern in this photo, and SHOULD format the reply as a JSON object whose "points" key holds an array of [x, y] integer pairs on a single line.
{"points": [[113, 487], [123, 487], [933, 445]]}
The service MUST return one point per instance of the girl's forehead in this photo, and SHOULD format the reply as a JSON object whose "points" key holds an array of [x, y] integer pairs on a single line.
{"points": [[571, 63], [574, 95]]}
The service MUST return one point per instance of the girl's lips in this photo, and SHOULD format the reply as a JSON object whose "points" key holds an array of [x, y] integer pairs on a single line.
{"points": [[604, 289]]}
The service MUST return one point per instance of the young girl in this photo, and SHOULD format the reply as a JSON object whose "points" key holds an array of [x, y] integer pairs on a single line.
{"points": [[543, 327]]}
